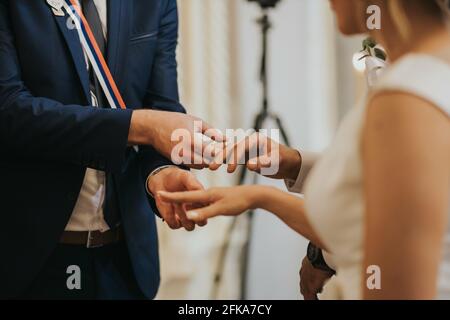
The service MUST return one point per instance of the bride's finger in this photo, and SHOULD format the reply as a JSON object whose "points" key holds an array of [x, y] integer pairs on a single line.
{"points": [[246, 148], [256, 164], [185, 197], [205, 213], [190, 207]]}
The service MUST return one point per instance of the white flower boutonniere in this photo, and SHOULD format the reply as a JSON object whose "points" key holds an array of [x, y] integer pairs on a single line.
{"points": [[372, 49], [375, 59]]}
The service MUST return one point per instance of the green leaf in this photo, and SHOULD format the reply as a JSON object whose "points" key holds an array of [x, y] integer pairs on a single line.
{"points": [[380, 54], [369, 43]]}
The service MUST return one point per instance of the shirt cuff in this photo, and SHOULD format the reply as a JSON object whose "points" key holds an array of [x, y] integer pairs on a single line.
{"points": [[308, 160], [156, 171]]}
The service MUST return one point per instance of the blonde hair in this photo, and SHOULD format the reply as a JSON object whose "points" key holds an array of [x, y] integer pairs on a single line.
{"points": [[400, 18], [401, 21]]}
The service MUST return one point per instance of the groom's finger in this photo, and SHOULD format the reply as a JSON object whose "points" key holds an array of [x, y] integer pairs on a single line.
{"points": [[197, 162], [221, 154], [185, 197], [218, 160], [185, 222], [213, 133], [200, 142], [167, 213]]}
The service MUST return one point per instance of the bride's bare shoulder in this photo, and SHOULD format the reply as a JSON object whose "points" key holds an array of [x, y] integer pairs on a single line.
{"points": [[405, 123]]}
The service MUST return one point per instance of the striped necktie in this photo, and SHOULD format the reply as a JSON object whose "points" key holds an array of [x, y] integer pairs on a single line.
{"points": [[111, 208]]}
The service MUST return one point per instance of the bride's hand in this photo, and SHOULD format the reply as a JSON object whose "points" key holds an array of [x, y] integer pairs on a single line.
{"points": [[260, 154], [216, 201]]}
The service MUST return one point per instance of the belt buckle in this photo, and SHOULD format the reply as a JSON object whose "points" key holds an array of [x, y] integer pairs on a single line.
{"points": [[89, 244]]}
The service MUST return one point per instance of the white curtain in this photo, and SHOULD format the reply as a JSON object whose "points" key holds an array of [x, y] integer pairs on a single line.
{"points": [[219, 65], [190, 262]]}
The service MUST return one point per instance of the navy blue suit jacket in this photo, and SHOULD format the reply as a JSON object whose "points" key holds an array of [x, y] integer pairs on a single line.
{"points": [[49, 134]]}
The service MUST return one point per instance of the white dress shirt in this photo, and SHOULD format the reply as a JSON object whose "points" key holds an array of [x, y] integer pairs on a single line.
{"points": [[88, 212]]}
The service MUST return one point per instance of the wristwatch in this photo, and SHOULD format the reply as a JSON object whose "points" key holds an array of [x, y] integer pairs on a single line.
{"points": [[315, 257]]}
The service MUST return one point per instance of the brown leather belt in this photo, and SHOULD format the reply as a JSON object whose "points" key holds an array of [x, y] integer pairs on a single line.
{"points": [[92, 239]]}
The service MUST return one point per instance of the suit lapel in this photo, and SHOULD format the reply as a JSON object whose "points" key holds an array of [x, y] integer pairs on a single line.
{"points": [[73, 42], [118, 34]]}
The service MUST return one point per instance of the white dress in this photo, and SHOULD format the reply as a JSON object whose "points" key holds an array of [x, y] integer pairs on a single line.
{"points": [[334, 196]]}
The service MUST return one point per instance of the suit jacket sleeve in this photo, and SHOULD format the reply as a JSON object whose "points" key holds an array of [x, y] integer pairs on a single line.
{"points": [[162, 93], [41, 128]]}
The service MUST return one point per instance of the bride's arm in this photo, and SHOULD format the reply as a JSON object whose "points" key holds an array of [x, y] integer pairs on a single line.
{"points": [[236, 200], [291, 210], [407, 173]]}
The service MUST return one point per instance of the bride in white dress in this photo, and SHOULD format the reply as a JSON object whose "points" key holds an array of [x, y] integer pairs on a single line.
{"points": [[378, 198]]}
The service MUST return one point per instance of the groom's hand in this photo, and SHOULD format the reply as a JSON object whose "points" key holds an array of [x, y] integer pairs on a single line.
{"points": [[180, 137], [312, 280], [174, 179]]}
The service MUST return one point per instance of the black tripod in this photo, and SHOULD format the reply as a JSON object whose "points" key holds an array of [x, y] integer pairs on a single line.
{"points": [[264, 113], [263, 116]]}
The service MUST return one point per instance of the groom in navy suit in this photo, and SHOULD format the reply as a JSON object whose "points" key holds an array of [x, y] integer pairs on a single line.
{"points": [[77, 215]]}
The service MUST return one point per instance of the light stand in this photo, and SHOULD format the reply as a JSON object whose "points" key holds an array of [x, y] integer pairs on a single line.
{"points": [[263, 116]]}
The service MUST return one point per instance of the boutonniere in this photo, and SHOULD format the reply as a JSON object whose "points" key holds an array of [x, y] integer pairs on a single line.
{"points": [[375, 60], [372, 49]]}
